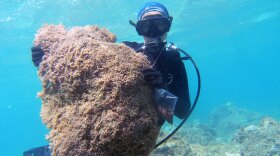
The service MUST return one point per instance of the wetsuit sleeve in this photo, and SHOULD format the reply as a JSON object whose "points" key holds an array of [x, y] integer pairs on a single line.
{"points": [[133, 45], [138, 47], [180, 88]]}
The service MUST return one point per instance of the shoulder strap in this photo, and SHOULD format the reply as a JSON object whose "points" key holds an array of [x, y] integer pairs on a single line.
{"points": [[172, 51]]}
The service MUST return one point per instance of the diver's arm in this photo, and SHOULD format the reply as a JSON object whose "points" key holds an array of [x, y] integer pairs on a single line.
{"points": [[134, 45], [180, 88]]}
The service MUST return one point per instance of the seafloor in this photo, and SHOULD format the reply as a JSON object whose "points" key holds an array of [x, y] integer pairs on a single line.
{"points": [[230, 131]]}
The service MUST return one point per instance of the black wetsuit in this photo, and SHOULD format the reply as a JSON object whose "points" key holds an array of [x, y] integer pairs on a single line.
{"points": [[173, 72]]}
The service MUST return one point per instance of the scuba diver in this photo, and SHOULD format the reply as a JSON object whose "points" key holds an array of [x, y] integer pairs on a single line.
{"points": [[168, 70], [167, 74]]}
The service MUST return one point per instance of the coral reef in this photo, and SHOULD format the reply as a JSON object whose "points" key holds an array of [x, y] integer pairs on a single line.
{"points": [[175, 146], [245, 139], [199, 133], [195, 139], [92, 97], [259, 140], [227, 118]]}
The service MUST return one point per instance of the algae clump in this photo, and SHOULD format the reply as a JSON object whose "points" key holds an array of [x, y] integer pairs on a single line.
{"points": [[94, 98]]}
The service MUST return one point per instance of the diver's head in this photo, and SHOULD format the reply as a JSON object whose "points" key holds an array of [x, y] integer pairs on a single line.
{"points": [[153, 22]]}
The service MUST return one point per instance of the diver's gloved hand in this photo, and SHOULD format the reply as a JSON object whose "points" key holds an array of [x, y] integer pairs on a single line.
{"points": [[37, 55], [153, 78]]}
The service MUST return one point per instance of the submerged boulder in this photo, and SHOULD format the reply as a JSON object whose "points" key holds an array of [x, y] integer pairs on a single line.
{"points": [[259, 140], [227, 118], [246, 138], [94, 99]]}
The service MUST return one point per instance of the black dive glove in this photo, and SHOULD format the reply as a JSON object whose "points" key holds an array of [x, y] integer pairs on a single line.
{"points": [[153, 78], [37, 55]]}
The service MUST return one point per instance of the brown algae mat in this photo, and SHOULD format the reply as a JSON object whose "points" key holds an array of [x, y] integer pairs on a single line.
{"points": [[94, 98]]}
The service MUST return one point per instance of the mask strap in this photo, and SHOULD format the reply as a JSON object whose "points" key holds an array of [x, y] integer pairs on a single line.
{"points": [[132, 23]]}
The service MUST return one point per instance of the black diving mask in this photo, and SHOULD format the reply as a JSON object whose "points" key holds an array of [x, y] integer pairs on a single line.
{"points": [[153, 26]]}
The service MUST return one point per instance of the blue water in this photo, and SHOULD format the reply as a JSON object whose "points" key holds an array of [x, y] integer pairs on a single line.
{"points": [[236, 45]]}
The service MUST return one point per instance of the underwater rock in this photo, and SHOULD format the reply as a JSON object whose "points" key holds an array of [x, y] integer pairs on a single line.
{"points": [[176, 145], [229, 118], [199, 133], [259, 140], [92, 97], [180, 145], [193, 139], [198, 138]]}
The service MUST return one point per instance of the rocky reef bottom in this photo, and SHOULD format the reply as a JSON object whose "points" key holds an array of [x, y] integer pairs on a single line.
{"points": [[230, 131]]}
